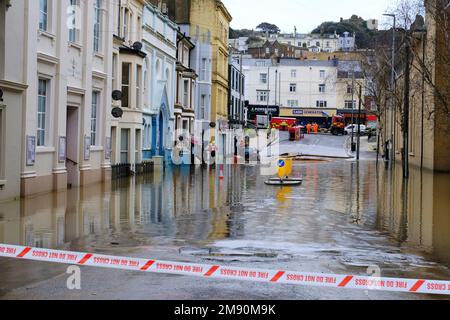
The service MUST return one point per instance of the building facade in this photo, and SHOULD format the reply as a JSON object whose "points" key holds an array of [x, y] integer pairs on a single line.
{"points": [[160, 45], [13, 86], [185, 97], [428, 116], [61, 97], [213, 15], [318, 43], [276, 49], [201, 62], [305, 89], [236, 94], [128, 65]]}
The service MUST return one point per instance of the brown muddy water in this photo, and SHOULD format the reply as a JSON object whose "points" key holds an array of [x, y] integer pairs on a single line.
{"points": [[347, 216]]}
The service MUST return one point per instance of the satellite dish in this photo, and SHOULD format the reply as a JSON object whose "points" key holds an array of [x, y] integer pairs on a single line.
{"points": [[137, 46], [117, 112], [117, 95]]}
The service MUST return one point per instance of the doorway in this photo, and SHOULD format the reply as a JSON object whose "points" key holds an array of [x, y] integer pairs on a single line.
{"points": [[72, 147]]}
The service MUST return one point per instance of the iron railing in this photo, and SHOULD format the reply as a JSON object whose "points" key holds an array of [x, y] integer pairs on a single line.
{"points": [[123, 170]]}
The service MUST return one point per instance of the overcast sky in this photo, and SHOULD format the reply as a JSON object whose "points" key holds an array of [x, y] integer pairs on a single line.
{"points": [[305, 14]]}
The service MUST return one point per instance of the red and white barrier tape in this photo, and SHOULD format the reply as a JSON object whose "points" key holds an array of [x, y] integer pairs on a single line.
{"points": [[224, 272]]}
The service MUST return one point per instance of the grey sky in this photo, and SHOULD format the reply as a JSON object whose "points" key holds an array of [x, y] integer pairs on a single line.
{"points": [[305, 14]]}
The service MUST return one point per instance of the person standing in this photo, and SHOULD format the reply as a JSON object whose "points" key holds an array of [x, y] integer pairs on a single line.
{"points": [[308, 128]]}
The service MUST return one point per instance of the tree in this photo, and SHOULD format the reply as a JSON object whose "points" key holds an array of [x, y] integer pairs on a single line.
{"points": [[268, 28], [422, 100], [356, 25]]}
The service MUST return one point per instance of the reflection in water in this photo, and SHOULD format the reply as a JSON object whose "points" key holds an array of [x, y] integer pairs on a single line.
{"points": [[417, 212], [356, 214]]}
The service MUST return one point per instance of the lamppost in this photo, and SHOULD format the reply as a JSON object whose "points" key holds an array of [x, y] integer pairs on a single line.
{"points": [[392, 157]]}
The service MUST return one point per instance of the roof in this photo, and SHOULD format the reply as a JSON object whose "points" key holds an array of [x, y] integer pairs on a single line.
{"points": [[349, 65], [307, 63]]}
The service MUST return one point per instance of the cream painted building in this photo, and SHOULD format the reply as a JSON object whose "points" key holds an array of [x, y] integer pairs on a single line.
{"points": [[56, 66], [128, 63]]}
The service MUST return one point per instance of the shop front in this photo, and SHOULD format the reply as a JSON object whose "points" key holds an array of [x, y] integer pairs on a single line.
{"points": [[322, 117]]}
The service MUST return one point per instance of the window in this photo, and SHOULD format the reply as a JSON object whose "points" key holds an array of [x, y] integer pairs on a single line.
{"points": [[263, 78], [114, 71], [138, 86], [293, 73], [94, 117], [147, 133], [125, 24], [350, 89], [73, 21], [267, 50], [42, 112], [137, 146], [292, 103], [262, 96], [97, 24], [124, 142], [373, 106], [43, 15], [293, 87], [125, 84], [139, 28], [349, 104], [276, 51], [260, 63], [322, 74], [203, 70], [202, 106], [321, 88], [186, 93], [321, 104]]}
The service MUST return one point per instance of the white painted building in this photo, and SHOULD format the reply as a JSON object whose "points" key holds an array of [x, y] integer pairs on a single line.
{"points": [[144, 55], [318, 43], [160, 45], [128, 73], [239, 44], [56, 77], [290, 83], [303, 88]]}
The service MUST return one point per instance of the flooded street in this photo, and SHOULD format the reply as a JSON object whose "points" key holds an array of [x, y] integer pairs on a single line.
{"points": [[336, 222]]}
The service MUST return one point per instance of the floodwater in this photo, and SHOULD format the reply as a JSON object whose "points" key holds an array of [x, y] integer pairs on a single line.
{"points": [[344, 218]]}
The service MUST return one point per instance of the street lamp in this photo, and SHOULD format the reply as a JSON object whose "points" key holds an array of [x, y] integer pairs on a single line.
{"points": [[392, 157]]}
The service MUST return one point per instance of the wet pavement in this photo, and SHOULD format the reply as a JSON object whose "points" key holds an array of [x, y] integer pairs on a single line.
{"points": [[340, 220]]}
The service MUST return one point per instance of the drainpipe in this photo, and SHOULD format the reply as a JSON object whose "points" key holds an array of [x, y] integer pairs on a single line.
{"points": [[423, 101], [406, 111]]}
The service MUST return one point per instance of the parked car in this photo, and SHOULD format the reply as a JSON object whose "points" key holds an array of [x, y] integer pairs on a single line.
{"points": [[349, 128]]}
